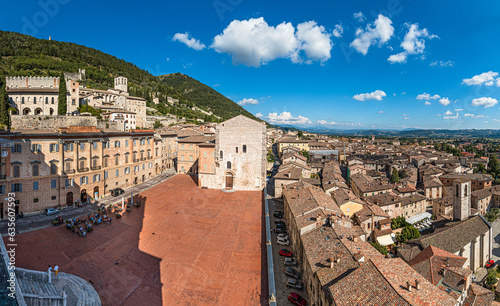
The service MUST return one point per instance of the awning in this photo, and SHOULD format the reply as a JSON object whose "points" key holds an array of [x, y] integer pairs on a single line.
{"points": [[386, 239], [419, 217]]}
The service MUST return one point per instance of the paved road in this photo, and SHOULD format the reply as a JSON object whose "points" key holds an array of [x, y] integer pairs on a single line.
{"points": [[496, 241], [39, 221]]}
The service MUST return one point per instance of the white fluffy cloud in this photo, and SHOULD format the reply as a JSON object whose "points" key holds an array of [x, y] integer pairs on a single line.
{"points": [[359, 17], [250, 101], [426, 96], [406, 118], [380, 31], [253, 42], [376, 95], [485, 78], [450, 115], [444, 101], [286, 118], [484, 101], [324, 122], [188, 41], [398, 58], [474, 116], [413, 43], [427, 103], [314, 40], [459, 109], [338, 31]]}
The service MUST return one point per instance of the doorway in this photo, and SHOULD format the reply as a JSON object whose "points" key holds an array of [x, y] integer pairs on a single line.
{"points": [[229, 180]]}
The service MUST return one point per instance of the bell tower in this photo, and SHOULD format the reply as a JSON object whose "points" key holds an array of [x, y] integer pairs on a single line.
{"points": [[461, 199], [121, 83]]}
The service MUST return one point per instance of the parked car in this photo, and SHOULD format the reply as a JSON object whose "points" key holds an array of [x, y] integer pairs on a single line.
{"points": [[285, 252], [278, 221], [490, 263], [281, 225], [116, 192], [280, 230], [281, 241], [51, 211], [294, 283], [283, 236], [292, 272], [278, 214], [296, 299], [290, 262]]}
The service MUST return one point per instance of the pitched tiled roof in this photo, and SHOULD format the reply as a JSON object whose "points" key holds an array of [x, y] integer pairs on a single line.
{"points": [[456, 236], [431, 261], [479, 296]]}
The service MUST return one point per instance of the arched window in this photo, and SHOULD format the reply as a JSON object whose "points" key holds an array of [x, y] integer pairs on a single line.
{"points": [[244, 148], [465, 190], [34, 100], [22, 100], [52, 100], [229, 165], [221, 154], [46, 100]]}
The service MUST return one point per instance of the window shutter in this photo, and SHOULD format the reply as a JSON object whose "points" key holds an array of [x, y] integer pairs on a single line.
{"points": [[20, 187], [57, 147]]}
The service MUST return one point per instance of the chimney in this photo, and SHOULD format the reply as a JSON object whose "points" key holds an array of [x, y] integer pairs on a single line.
{"points": [[373, 221], [417, 284], [331, 262], [408, 285]]}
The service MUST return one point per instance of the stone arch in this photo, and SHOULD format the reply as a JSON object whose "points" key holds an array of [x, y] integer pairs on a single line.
{"points": [[26, 111], [51, 111], [229, 179], [38, 111]]}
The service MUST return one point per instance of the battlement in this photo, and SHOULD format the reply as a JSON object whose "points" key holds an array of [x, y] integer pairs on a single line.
{"points": [[31, 81]]}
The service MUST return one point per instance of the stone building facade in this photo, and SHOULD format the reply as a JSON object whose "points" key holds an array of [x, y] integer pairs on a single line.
{"points": [[240, 156], [33, 95], [54, 168]]}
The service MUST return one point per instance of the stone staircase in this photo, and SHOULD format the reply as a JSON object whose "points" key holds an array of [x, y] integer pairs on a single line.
{"points": [[79, 292], [37, 290]]}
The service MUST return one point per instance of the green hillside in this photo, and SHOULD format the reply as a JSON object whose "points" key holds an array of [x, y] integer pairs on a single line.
{"points": [[23, 55]]}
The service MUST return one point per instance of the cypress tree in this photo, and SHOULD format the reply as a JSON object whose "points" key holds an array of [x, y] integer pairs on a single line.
{"points": [[4, 105], [62, 106]]}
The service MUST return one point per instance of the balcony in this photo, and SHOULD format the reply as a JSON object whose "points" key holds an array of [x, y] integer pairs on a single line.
{"points": [[143, 158], [96, 168], [136, 160], [69, 171], [83, 169]]}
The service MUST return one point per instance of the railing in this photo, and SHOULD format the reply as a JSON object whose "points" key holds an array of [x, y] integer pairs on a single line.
{"points": [[96, 168], [143, 158], [70, 171], [83, 169]]}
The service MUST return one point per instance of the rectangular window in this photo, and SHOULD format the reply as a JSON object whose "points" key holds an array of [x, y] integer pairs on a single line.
{"points": [[82, 164], [82, 146], [97, 178], [205, 167], [117, 160], [148, 140], [35, 200], [35, 186], [127, 170], [17, 148], [16, 187], [105, 162], [143, 166], [94, 145], [34, 170], [105, 175], [126, 143], [53, 198], [17, 171], [236, 149], [2, 189], [53, 184], [135, 142], [36, 148], [117, 144], [54, 147], [117, 172], [182, 157], [126, 158], [244, 148]]}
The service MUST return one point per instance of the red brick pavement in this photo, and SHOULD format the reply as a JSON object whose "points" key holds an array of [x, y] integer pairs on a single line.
{"points": [[185, 246]]}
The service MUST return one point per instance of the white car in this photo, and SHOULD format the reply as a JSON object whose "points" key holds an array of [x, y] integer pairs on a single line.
{"points": [[283, 236], [281, 241], [290, 262], [51, 211]]}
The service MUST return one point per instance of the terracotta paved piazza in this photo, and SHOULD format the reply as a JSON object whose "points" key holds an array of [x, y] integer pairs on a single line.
{"points": [[185, 246]]}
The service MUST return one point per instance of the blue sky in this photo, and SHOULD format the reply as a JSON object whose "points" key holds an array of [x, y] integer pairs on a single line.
{"points": [[356, 64]]}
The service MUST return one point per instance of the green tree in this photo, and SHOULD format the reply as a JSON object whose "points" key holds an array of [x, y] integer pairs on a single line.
{"points": [[398, 222], [402, 173], [157, 125], [491, 279], [395, 176], [481, 168], [305, 154], [4, 105], [382, 249], [493, 165], [300, 134], [409, 232], [62, 107]]}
